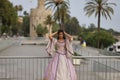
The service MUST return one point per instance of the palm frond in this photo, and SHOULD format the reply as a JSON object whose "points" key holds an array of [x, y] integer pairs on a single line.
{"points": [[110, 9], [54, 7], [104, 1], [96, 13], [89, 13], [104, 14], [90, 3], [108, 14], [47, 3], [93, 5], [49, 6], [60, 7]]}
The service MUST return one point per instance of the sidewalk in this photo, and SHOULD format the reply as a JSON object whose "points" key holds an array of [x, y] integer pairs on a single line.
{"points": [[4, 44], [86, 51]]}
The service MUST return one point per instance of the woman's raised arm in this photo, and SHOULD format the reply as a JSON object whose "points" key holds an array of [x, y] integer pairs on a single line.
{"points": [[69, 36], [51, 35]]}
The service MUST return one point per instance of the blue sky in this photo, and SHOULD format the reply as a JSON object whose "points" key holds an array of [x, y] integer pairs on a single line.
{"points": [[76, 9]]}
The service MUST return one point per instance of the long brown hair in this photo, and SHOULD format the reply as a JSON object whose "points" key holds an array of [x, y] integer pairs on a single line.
{"points": [[59, 31]]}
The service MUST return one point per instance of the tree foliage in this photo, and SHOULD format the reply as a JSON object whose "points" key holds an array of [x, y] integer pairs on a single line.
{"points": [[8, 14], [4, 29], [41, 31], [60, 8], [49, 22], [26, 25], [104, 37], [55, 27], [72, 26], [19, 8]]}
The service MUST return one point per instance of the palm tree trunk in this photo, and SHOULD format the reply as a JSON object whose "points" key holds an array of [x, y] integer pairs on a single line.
{"points": [[59, 17], [99, 16], [50, 29], [62, 20]]}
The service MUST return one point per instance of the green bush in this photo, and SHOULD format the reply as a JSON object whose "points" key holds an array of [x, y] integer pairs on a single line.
{"points": [[41, 31], [4, 29], [102, 38]]}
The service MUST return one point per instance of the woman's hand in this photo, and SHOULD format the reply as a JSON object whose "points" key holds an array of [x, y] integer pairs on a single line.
{"points": [[69, 36], [50, 55], [51, 35]]}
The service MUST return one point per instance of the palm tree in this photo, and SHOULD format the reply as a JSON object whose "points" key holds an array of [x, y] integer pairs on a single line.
{"points": [[49, 21], [64, 15], [19, 8], [99, 7], [25, 13], [56, 5]]}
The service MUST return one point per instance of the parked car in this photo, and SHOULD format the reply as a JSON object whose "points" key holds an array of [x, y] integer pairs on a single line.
{"points": [[116, 47]]}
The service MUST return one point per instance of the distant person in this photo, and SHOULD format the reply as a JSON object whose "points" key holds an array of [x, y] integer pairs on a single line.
{"points": [[84, 43], [60, 68]]}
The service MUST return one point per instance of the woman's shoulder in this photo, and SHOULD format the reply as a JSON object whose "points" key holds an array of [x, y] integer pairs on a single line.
{"points": [[54, 40]]}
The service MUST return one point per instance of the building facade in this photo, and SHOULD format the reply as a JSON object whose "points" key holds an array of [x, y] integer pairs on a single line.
{"points": [[38, 16]]}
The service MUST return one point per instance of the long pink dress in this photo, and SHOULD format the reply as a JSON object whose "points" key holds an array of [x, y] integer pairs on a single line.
{"points": [[60, 68]]}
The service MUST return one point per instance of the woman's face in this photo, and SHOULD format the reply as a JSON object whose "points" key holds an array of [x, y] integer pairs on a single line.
{"points": [[60, 35]]}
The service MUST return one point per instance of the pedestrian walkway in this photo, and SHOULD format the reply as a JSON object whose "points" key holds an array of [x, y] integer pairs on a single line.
{"points": [[85, 51], [93, 53], [4, 44]]}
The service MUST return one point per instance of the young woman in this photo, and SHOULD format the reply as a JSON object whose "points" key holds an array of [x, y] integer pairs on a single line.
{"points": [[60, 68]]}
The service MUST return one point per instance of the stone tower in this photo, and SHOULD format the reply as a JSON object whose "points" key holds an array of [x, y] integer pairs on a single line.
{"points": [[41, 4], [38, 16]]}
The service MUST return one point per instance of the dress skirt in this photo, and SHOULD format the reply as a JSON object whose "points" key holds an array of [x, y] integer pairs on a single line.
{"points": [[60, 68]]}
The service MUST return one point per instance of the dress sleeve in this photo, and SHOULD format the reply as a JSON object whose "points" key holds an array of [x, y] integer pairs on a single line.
{"points": [[51, 46], [69, 48]]}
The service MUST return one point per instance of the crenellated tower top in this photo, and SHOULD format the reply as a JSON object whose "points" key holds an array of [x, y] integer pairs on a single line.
{"points": [[41, 4]]}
